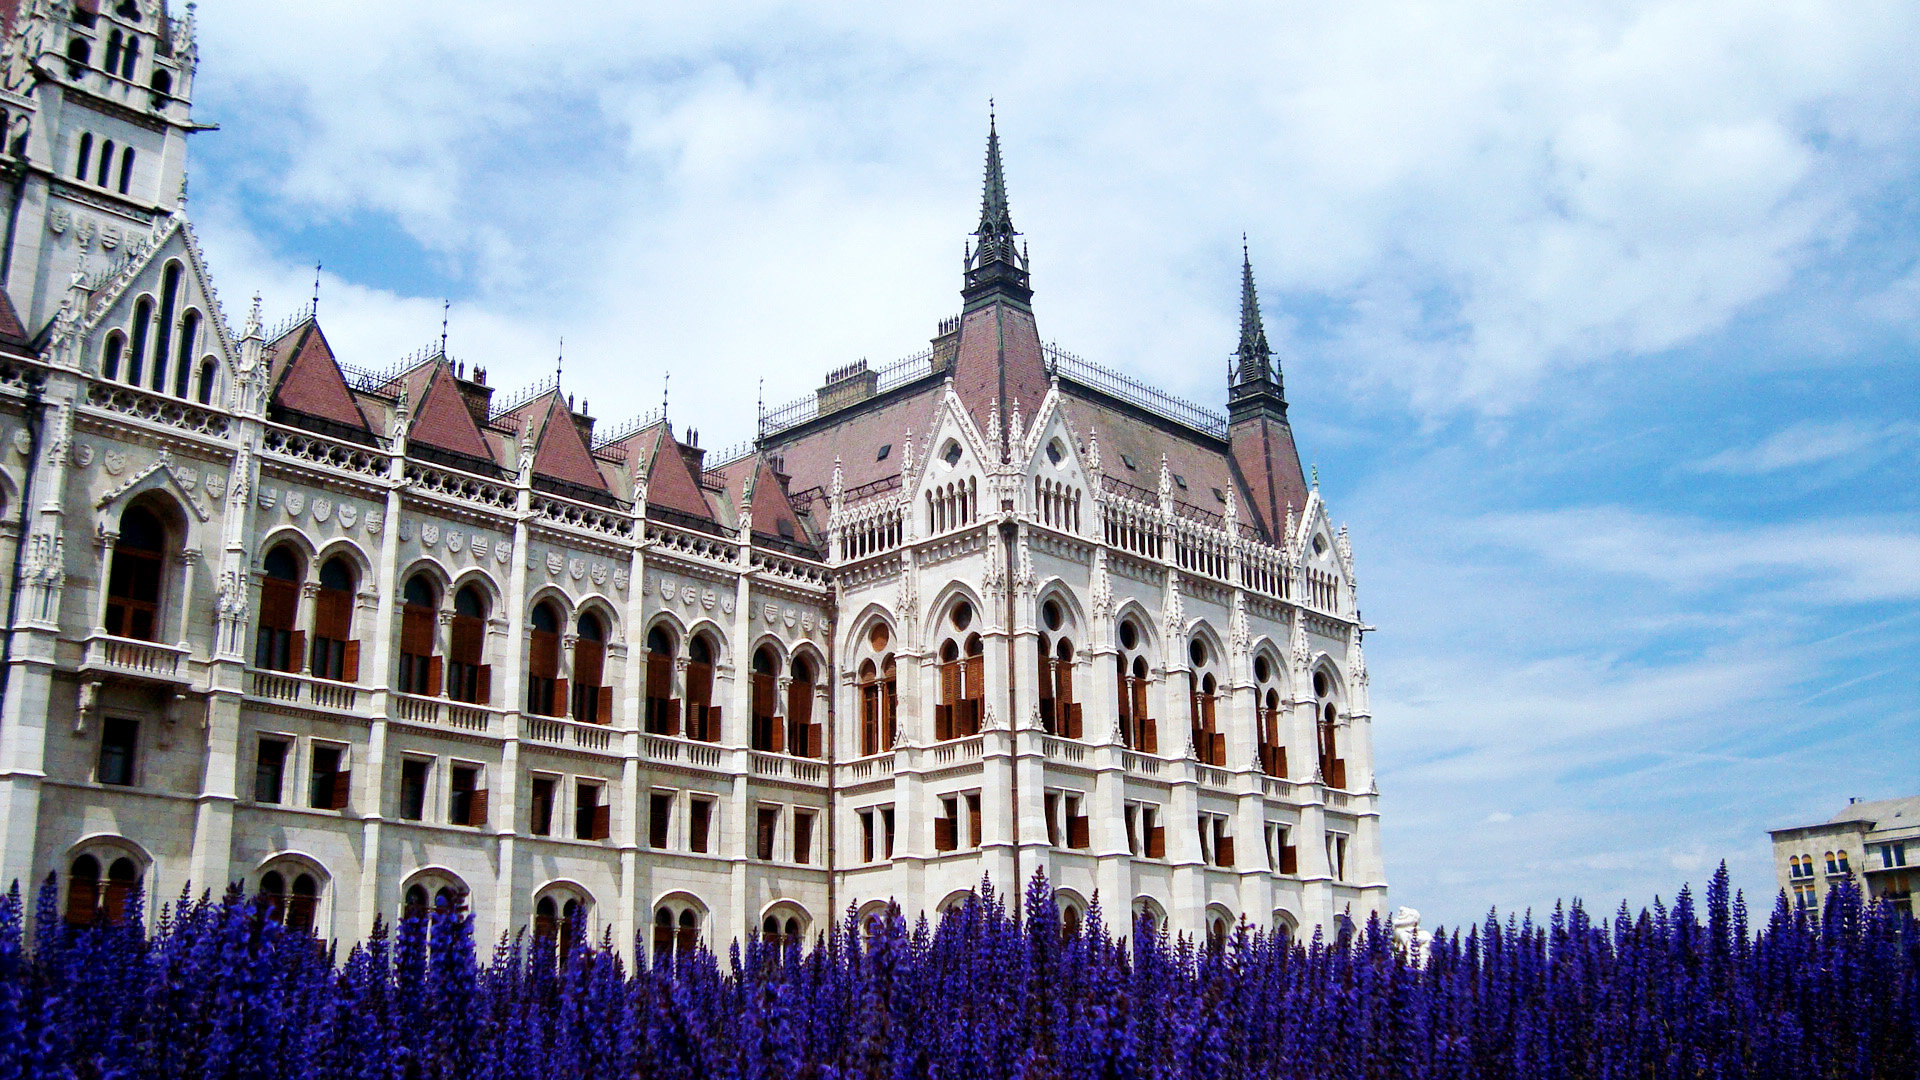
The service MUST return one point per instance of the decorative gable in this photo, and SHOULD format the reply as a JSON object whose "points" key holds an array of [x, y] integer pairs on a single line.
{"points": [[443, 420], [559, 451], [310, 382], [670, 483]]}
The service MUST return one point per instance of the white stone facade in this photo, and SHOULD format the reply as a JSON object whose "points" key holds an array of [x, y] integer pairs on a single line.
{"points": [[144, 736]]}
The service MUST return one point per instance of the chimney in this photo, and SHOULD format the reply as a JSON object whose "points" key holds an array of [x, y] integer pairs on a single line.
{"points": [[847, 386], [946, 345]]}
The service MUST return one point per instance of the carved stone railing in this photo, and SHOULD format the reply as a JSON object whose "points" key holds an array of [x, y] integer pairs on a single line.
{"points": [[1212, 777], [327, 453], [582, 516], [1144, 764], [559, 732], [1064, 749], [323, 694], [141, 659], [781, 766], [694, 544], [462, 486], [869, 768], [968, 749], [796, 571], [876, 527], [156, 409], [673, 748], [443, 713], [1199, 549], [1265, 570], [1133, 527]]}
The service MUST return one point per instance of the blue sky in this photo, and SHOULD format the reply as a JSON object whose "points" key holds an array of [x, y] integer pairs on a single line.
{"points": [[1600, 320]]}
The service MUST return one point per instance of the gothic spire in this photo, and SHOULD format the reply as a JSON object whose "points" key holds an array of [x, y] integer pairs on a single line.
{"points": [[996, 265], [1256, 381]]}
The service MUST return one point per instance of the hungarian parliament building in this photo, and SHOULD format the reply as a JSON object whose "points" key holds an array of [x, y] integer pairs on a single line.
{"points": [[368, 638]]}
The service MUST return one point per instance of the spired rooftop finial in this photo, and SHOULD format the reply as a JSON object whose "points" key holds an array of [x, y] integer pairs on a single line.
{"points": [[996, 263], [1256, 381]]}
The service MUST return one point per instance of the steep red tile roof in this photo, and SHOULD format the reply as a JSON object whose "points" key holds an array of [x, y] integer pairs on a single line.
{"points": [[442, 420], [670, 482], [1264, 449], [559, 451], [856, 439], [1127, 435], [308, 378], [12, 332], [999, 340]]}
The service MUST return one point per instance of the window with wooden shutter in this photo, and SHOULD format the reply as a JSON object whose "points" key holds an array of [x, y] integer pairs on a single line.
{"points": [[1064, 704], [659, 818], [973, 819], [339, 789], [950, 699], [477, 809], [543, 671], [540, 808], [1157, 842], [466, 648], [1049, 722], [687, 941], [699, 821], [700, 722], [1079, 832], [83, 891], [968, 723], [1289, 859], [602, 822], [870, 716], [416, 651], [889, 704], [592, 702], [802, 837], [762, 693], [1123, 696], [275, 648], [663, 713], [944, 834], [802, 740], [1052, 804], [767, 827], [122, 878], [332, 634], [1149, 735]]}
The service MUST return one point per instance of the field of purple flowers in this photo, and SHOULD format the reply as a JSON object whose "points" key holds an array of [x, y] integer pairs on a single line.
{"points": [[218, 990]]}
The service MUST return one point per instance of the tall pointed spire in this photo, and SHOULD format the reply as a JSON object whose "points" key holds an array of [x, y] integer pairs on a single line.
{"points": [[1256, 382], [996, 264]]}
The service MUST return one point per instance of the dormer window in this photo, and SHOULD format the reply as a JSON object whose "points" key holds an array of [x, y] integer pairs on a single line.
{"points": [[951, 455], [885, 449], [1180, 481], [1127, 460]]}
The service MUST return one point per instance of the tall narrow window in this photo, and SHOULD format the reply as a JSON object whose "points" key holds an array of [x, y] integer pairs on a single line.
{"points": [[540, 812], [113, 52], [468, 679], [592, 819], [419, 666], [104, 170], [208, 373], [83, 891], [413, 788], [189, 335], [663, 710], [803, 735], [466, 797], [126, 170], [122, 878], [169, 296], [802, 836], [543, 662], [703, 717], [300, 905], [869, 710], [592, 702], [110, 355], [85, 156], [767, 734], [133, 581], [766, 832], [699, 823], [79, 55], [129, 57], [277, 645], [659, 819], [330, 781], [336, 655], [137, 351], [119, 743]]}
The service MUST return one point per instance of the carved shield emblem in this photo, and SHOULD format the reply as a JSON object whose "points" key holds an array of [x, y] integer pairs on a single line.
{"points": [[116, 463], [430, 534], [707, 599], [599, 573], [456, 541], [666, 589], [82, 454], [789, 617], [216, 482], [688, 594], [771, 613], [502, 551], [349, 513], [481, 547], [375, 522], [620, 580], [296, 502], [406, 530], [726, 603], [189, 478], [322, 509], [577, 569]]}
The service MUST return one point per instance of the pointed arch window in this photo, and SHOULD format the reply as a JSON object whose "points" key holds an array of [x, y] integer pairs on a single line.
{"points": [[129, 57], [189, 335], [104, 169], [468, 679], [278, 644], [592, 701], [1333, 767], [420, 668], [803, 735], [142, 320], [703, 716], [79, 56], [336, 655], [763, 682], [663, 709], [1270, 728], [169, 297], [111, 354], [545, 688], [1059, 713], [114, 46], [133, 580], [85, 156], [208, 373], [91, 900], [126, 170], [293, 904], [962, 690]]}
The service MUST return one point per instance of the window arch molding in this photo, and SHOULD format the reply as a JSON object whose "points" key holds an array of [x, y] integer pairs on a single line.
{"points": [[1147, 641], [1286, 926], [860, 633], [558, 893], [775, 647], [287, 906], [490, 590], [942, 626], [355, 555], [953, 903], [1071, 909], [717, 640], [107, 895], [551, 594], [1220, 924], [431, 883], [1152, 909], [600, 607], [1074, 622], [792, 921], [143, 567], [680, 921]]}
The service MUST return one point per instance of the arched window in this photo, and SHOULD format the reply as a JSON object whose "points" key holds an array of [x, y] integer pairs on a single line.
{"points": [[162, 84], [126, 170], [79, 55], [433, 892], [336, 655], [114, 46], [676, 930], [85, 157], [83, 891], [133, 581], [208, 373], [1219, 929], [292, 906], [545, 688], [803, 735], [129, 57], [962, 682], [592, 702], [1269, 727], [419, 609], [763, 697], [1059, 713], [142, 320], [663, 709], [1140, 730], [1070, 921], [782, 928], [104, 170], [169, 296], [560, 919], [189, 335], [1209, 742], [1333, 767], [278, 645], [89, 900], [128, 10], [415, 905], [468, 679], [110, 355], [703, 716]]}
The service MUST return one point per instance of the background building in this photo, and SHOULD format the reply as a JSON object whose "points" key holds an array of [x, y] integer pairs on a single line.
{"points": [[1866, 844], [361, 639]]}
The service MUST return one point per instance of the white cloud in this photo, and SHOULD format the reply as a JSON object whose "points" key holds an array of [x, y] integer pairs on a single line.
{"points": [[1481, 195], [1809, 443]]}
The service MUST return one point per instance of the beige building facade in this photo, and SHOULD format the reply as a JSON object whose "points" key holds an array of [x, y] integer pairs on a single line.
{"points": [[365, 639], [1873, 846]]}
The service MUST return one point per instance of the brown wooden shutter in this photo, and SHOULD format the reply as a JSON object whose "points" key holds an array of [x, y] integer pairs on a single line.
{"points": [[1150, 735], [279, 603], [333, 614], [943, 834], [350, 667], [659, 675], [543, 654], [670, 719], [1073, 721], [942, 724], [1217, 750], [1078, 832], [605, 713], [713, 723], [482, 683], [477, 808], [1280, 762], [976, 692], [83, 901], [1289, 859], [416, 630], [1157, 842], [434, 673], [1223, 850], [467, 639], [602, 822], [589, 662], [561, 691], [687, 940], [342, 787], [297, 652], [1049, 714]]}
